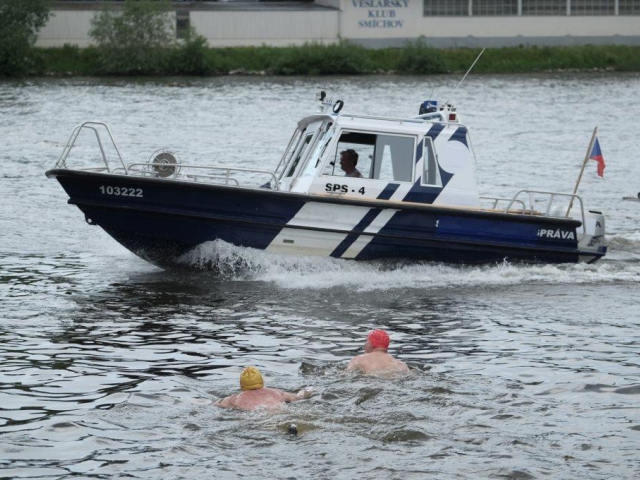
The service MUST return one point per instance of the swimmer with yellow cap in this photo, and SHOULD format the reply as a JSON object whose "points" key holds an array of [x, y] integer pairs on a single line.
{"points": [[255, 395], [375, 359], [251, 379]]}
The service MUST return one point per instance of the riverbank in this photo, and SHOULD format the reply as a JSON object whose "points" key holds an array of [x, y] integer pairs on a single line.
{"points": [[342, 59]]}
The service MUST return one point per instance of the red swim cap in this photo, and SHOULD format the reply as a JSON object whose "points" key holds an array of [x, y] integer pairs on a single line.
{"points": [[378, 339]]}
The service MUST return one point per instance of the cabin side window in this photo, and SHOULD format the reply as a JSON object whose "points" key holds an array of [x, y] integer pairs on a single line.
{"points": [[431, 173], [380, 156], [361, 143], [394, 158]]}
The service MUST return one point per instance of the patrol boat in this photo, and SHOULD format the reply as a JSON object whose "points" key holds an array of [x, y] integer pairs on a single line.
{"points": [[416, 198]]}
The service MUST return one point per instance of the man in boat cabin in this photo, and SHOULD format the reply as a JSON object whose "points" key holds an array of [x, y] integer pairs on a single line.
{"points": [[375, 359], [348, 162], [255, 395]]}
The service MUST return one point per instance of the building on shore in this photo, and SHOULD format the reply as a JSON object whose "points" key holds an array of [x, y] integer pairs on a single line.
{"points": [[377, 23]]}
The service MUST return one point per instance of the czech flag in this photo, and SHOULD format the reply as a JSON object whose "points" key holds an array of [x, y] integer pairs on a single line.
{"points": [[596, 154]]}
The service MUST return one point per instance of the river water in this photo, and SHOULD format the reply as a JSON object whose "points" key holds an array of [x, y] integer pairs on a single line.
{"points": [[109, 366]]}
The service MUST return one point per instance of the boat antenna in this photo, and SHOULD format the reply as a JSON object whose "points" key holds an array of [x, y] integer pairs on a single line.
{"points": [[468, 71]]}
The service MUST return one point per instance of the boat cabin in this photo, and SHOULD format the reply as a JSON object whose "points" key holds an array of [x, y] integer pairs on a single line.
{"points": [[426, 159]]}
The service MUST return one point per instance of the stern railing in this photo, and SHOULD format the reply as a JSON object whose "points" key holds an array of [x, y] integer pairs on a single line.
{"points": [[496, 200], [553, 206]]}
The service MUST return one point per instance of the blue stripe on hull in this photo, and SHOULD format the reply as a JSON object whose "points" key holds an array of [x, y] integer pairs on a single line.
{"points": [[422, 194], [161, 239], [388, 191], [467, 239], [355, 233], [411, 235], [172, 218], [183, 198], [450, 252]]}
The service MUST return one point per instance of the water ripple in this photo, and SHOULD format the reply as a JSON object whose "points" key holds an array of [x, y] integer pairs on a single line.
{"points": [[111, 366]]}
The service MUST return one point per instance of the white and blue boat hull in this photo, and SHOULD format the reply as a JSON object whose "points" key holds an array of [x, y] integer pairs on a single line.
{"points": [[160, 221]]}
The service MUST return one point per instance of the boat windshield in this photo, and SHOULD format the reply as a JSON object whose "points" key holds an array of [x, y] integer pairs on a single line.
{"points": [[288, 153], [299, 150], [323, 141]]}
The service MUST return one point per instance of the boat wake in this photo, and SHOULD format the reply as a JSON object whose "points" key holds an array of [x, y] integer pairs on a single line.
{"points": [[297, 272], [627, 243]]}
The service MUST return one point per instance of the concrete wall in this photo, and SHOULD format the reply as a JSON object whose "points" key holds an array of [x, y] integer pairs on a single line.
{"points": [[273, 28], [373, 23], [221, 28], [70, 27], [369, 24]]}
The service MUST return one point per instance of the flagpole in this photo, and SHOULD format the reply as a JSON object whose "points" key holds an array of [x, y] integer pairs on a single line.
{"points": [[584, 163]]}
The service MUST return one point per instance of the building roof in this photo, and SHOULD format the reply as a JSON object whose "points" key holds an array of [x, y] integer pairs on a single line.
{"points": [[201, 5]]}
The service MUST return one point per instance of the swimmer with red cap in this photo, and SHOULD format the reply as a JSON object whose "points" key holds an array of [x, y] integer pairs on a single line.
{"points": [[255, 395], [375, 359]]}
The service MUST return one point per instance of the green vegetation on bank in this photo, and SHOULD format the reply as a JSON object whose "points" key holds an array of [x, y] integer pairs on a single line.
{"points": [[194, 58], [138, 39], [19, 24]]}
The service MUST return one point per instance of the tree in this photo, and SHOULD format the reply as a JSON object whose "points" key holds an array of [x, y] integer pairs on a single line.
{"points": [[134, 39], [190, 57], [19, 25]]}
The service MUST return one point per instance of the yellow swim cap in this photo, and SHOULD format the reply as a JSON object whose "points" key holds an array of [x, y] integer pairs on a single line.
{"points": [[251, 379]]}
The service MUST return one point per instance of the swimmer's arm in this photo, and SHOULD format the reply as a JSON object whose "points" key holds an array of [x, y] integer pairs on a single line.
{"points": [[294, 397], [229, 402], [305, 393], [403, 366], [354, 364]]}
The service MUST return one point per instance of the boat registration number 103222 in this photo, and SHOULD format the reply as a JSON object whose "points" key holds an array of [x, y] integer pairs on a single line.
{"points": [[121, 191]]}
